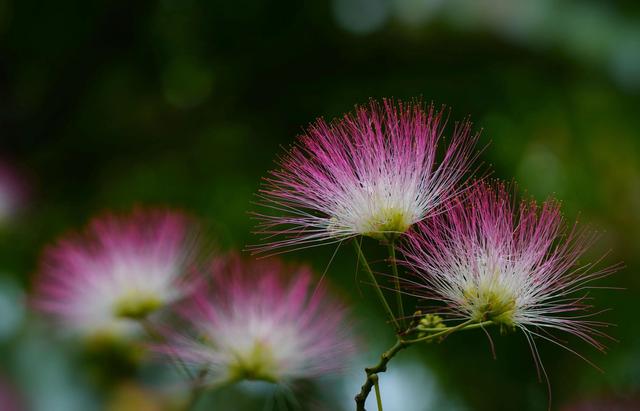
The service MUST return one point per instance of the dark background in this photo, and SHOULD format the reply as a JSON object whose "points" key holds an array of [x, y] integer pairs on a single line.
{"points": [[108, 104]]}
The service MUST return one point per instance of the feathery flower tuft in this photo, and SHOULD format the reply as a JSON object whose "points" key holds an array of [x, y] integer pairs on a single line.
{"points": [[374, 173], [121, 269], [261, 321], [488, 259]]}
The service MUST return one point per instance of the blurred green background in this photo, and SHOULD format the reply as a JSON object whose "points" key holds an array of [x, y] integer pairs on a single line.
{"points": [[107, 104]]}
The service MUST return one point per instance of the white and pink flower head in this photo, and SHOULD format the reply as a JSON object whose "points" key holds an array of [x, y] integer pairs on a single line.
{"points": [[374, 172], [262, 320], [489, 259], [98, 283]]}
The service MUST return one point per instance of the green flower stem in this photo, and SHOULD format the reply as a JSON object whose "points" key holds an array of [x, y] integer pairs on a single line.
{"points": [[468, 327], [444, 332], [372, 277], [372, 372], [194, 396], [197, 381], [377, 388], [196, 392], [154, 335], [396, 278]]}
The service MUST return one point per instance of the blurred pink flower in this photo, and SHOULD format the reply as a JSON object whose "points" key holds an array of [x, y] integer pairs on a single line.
{"points": [[261, 320], [9, 398], [374, 172], [488, 259], [122, 268]]}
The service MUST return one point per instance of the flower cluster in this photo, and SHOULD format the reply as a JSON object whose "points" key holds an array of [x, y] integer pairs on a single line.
{"points": [[478, 258], [259, 320]]}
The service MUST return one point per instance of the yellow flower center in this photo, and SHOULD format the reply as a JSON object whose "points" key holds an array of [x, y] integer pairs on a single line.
{"points": [[387, 224], [137, 305], [256, 364], [492, 302]]}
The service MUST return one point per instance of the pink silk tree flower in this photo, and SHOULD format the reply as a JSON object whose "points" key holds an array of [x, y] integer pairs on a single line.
{"points": [[488, 259], [374, 172], [122, 268], [261, 320]]}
